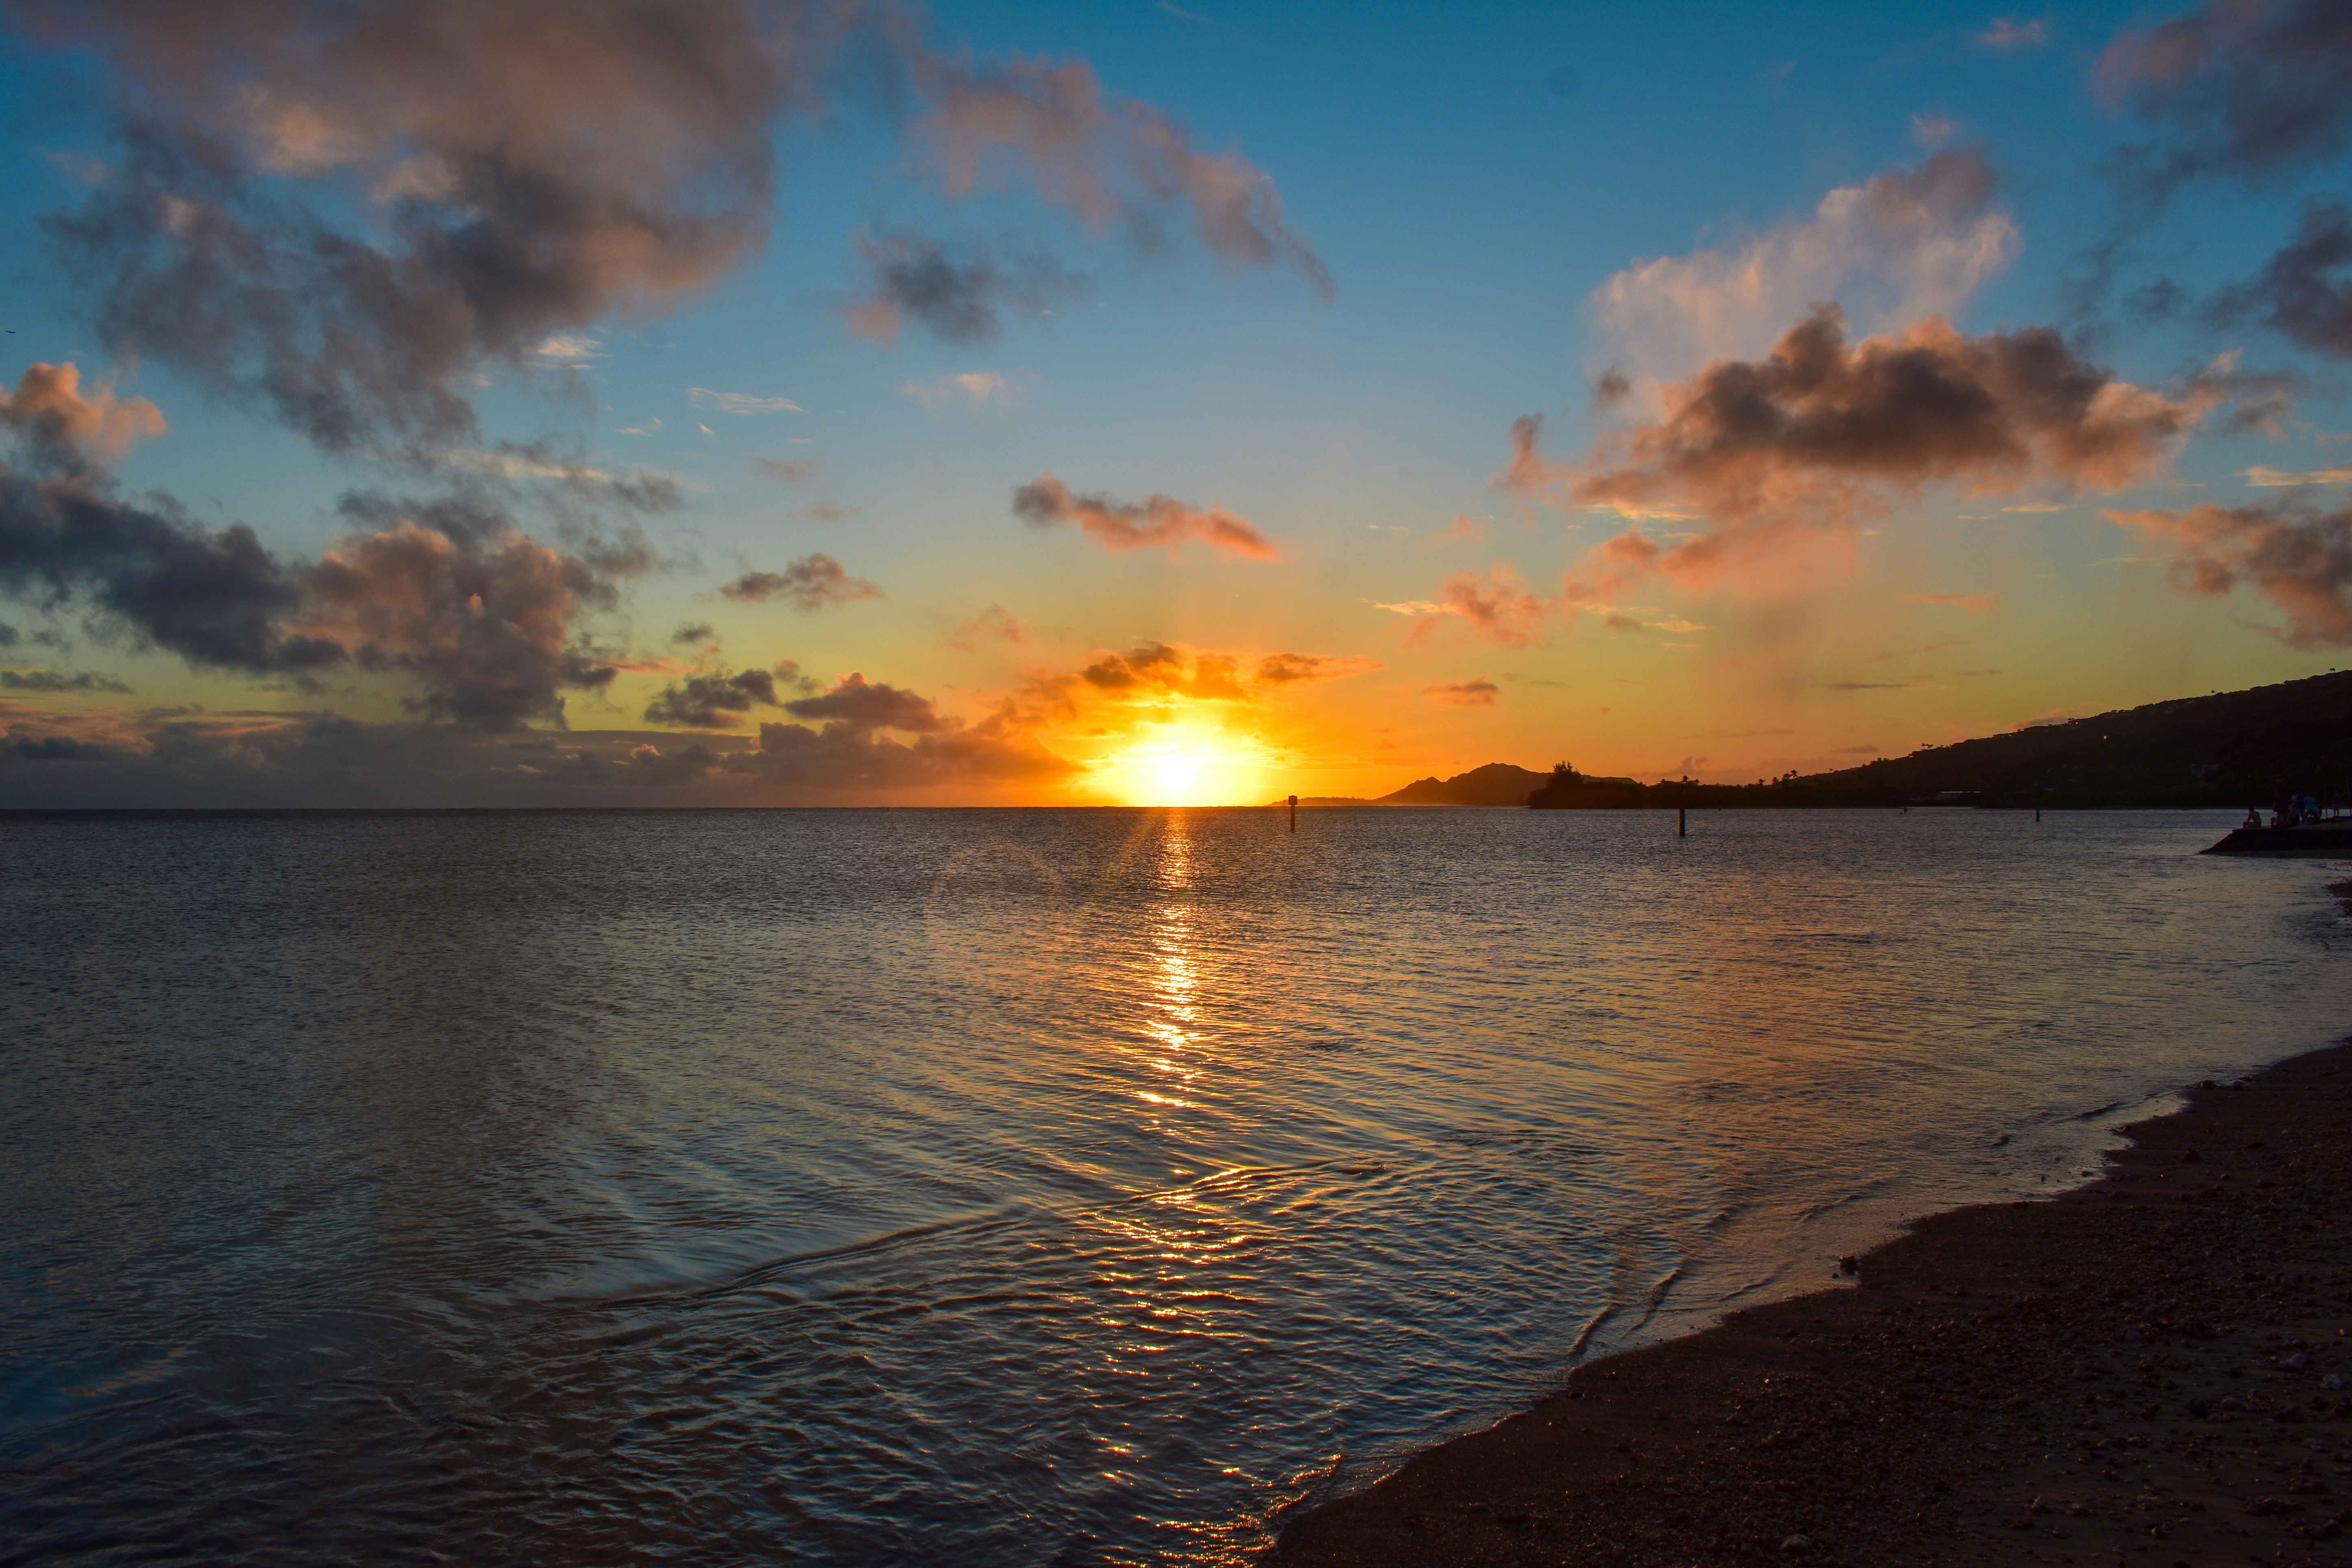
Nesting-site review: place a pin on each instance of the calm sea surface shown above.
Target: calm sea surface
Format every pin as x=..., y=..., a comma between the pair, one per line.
x=998, y=1187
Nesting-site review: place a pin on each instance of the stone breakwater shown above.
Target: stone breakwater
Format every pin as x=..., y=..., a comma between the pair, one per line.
x=2149, y=1369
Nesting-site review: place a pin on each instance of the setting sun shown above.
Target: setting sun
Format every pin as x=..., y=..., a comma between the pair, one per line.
x=1180, y=766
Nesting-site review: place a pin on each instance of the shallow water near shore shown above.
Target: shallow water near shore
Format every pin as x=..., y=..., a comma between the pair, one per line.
x=999, y=1186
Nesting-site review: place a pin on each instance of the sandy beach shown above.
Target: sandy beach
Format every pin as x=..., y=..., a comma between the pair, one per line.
x=2151, y=1368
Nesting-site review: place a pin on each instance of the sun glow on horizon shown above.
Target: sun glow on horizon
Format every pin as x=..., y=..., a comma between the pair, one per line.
x=1180, y=766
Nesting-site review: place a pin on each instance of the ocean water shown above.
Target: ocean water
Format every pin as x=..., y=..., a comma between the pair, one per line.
x=998, y=1187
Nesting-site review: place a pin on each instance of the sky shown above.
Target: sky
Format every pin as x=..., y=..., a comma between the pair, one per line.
x=739, y=403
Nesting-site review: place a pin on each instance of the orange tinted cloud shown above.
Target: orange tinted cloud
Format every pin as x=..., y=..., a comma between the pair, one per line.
x=1821, y=436
x=1114, y=162
x=1293, y=668
x=1974, y=604
x=50, y=412
x=811, y=583
x=994, y=623
x=1497, y=607
x=1158, y=521
x=2299, y=558
x=1464, y=694
x=488, y=630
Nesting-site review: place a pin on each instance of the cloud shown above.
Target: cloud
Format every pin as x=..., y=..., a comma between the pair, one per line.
x=570, y=346
x=1160, y=669
x=718, y=700
x=214, y=597
x=49, y=413
x=1464, y=694
x=2303, y=292
x=2009, y=34
x=485, y=623
x=640, y=489
x=977, y=386
x=104, y=757
x=694, y=632
x=1115, y=163
x=912, y=278
x=862, y=705
x=2251, y=88
x=1822, y=436
x=742, y=403
x=1296, y=669
x=56, y=680
x=2263, y=478
x=1869, y=684
x=1464, y=526
x=345, y=213
x=1901, y=246
x=994, y=623
x=1932, y=130
x=1497, y=607
x=826, y=511
x=1156, y=522
x=1974, y=604
x=789, y=470
x=809, y=584
x=2298, y=557
x=451, y=594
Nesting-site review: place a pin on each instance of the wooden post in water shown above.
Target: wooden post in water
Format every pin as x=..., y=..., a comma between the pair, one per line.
x=1294, y=814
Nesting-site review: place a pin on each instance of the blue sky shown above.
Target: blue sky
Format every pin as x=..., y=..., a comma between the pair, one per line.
x=1470, y=179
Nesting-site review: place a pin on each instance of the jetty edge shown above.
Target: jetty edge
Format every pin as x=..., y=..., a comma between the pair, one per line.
x=2151, y=1368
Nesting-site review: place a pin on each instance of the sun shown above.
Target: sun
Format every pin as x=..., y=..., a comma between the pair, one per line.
x=1178, y=765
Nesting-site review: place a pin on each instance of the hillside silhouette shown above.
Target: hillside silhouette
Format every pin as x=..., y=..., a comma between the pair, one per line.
x=2232, y=749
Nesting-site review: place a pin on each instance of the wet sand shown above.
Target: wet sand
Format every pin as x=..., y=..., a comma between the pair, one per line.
x=2155, y=1368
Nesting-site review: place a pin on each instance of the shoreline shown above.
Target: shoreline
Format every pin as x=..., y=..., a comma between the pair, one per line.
x=2135, y=1370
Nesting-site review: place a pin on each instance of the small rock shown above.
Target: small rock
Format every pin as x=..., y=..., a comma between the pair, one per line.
x=2190, y=1157
x=2297, y=1362
x=1796, y=1543
x=2331, y=1383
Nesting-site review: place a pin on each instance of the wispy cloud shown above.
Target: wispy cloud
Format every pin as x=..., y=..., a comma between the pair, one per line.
x=741, y=402
x=994, y=623
x=1974, y=604
x=789, y=470
x=1294, y=669
x=1156, y=522
x=570, y=346
x=1906, y=243
x=973, y=386
x=1932, y=130
x=1464, y=694
x=2263, y=478
x=811, y=583
x=55, y=680
x=2009, y=33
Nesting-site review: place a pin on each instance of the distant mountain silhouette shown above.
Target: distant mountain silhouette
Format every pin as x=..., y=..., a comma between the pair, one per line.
x=1496, y=783
x=2232, y=749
